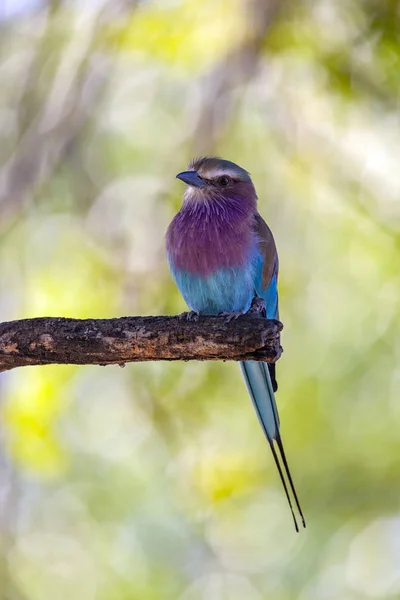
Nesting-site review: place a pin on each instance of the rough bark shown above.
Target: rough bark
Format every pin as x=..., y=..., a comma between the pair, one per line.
x=50, y=340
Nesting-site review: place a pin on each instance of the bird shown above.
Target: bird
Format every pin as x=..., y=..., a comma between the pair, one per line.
x=222, y=255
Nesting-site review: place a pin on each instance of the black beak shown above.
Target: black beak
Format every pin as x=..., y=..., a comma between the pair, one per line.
x=191, y=178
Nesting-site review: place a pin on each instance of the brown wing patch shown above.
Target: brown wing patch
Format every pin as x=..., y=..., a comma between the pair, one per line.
x=267, y=248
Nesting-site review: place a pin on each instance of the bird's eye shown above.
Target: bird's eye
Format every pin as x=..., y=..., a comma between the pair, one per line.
x=223, y=180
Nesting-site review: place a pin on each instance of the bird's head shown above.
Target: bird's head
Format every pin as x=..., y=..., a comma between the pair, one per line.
x=214, y=179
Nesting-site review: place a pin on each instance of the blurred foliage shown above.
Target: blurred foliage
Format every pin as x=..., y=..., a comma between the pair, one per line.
x=155, y=481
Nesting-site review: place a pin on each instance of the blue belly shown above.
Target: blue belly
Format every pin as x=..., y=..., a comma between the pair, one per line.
x=226, y=290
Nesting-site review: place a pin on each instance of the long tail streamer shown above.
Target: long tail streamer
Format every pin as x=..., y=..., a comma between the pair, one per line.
x=259, y=385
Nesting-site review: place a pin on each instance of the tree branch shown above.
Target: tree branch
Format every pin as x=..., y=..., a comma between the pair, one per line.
x=50, y=340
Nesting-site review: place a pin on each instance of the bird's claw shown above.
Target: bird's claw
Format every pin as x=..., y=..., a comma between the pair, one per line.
x=231, y=316
x=189, y=316
x=257, y=307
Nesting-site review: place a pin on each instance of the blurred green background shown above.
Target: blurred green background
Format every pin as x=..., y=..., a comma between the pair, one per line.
x=155, y=482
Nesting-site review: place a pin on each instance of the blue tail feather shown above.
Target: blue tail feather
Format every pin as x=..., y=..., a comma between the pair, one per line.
x=260, y=388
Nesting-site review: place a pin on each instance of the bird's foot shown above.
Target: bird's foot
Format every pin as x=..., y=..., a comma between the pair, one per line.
x=257, y=307
x=189, y=316
x=231, y=316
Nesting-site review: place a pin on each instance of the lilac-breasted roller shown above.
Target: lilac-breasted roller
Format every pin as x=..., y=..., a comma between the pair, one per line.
x=222, y=254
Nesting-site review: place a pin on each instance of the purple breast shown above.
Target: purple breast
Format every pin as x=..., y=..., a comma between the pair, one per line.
x=208, y=236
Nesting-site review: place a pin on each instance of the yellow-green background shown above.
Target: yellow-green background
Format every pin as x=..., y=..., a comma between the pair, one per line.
x=155, y=481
